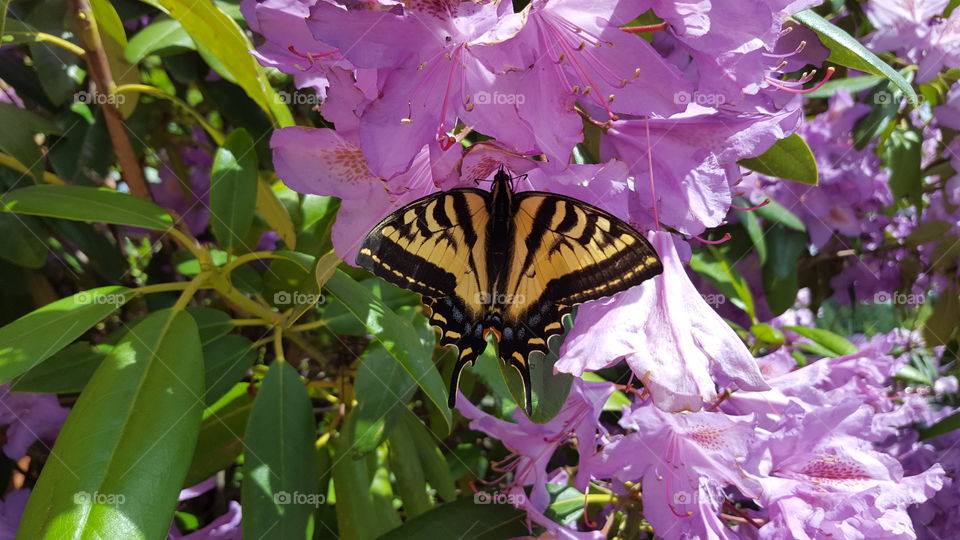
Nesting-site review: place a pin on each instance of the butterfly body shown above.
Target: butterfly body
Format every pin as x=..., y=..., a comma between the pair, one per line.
x=506, y=263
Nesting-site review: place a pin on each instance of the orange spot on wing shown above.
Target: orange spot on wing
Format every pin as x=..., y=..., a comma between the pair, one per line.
x=495, y=332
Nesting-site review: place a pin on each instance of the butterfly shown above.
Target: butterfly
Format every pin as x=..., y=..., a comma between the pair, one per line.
x=505, y=262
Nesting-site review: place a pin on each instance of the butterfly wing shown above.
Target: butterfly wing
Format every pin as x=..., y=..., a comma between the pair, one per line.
x=436, y=246
x=566, y=252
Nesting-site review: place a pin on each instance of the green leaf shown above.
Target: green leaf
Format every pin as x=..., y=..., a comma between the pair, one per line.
x=220, y=442
x=163, y=36
x=225, y=361
x=66, y=372
x=274, y=214
x=789, y=158
x=775, y=213
x=852, y=85
x=944, y=322
x=280, y=461
x=397, y=336
x=31, y=339
x=411, y=481
x=123, y=452
x=22, y=241
x=948, y=424
x=17, y=136
x=780, y=270
x=114, y=40
x=213, y=323
x=353, y=483
x=838, y=345
x=86, y=204
x=464, y=519
x=233, y=189
x=767, y=334
x=435, y=467
x=226, y=47
x=383, y=388
x=847, y=51
x=903, y=154
x=754, y=230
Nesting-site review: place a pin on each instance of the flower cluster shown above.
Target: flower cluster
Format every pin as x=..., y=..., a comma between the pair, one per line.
x=818, y=454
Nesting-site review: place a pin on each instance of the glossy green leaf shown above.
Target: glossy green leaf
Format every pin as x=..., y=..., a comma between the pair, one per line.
x=852, y=85
x=86, y=204
x=754, y=230
x=114, y=40
x=36, y=336
x=780, y=270
x=847, y=51
x=789, y=158
x=66, y=372
x=233, y=189
x=162, y=36
x=411, y=481
x=944, y=323
x=227, y=47
x=464, y=519
x=225, y=361
x=838, y=345
x=397, y=336
x=124, y=450
x=280, y=462
x=220, y=441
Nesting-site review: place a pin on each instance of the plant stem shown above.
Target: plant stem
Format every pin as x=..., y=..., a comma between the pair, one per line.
x=96, y=59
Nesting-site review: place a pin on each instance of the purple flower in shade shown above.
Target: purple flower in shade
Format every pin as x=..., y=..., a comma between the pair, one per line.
x=322, y=162
x=672, y=340
x=29, y=418
x=9, y=95
x=225, y=527
x=948, y=114
x=821, y=478
x=11, y=510
x=685, y=461
x=694, y=160
x=429, y=74
x=532, y=445
x=289, y=46
x=188, y=197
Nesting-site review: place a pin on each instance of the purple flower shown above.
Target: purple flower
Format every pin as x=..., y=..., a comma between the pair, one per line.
x=187, y=196
x=225, y=527
x=694, y=159
x=322, y=162
x=672, y=340
x=532, y=445
x=11, y=510
x=289, y=45
x=29, y=418
x=685, y=461
x=429, y=75
x=820, y=478
x=916, y=32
